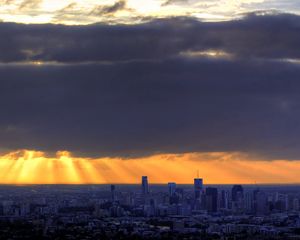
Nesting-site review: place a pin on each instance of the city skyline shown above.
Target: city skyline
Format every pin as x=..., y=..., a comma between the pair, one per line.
x=104, y=92
x=150, y=119
x=168, y=211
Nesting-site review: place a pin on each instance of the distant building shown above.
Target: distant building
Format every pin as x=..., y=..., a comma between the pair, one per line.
x=296, y=204
x=198, y=186
x=261, y=203
x=249, y=202
x=237, y=193
x=171, y=188
x=112, y=191
x=224, y=201
x=211, y=199
x=145, y=187
x=281, y=202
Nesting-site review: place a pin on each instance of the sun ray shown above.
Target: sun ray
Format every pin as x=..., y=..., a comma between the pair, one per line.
x=34, y=167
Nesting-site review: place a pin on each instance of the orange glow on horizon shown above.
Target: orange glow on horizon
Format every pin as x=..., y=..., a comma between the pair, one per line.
x=33, y=167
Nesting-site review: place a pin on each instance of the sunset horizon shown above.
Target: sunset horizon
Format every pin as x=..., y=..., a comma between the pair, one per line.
x=110, y=98
x=35, y=167
x=150, y=119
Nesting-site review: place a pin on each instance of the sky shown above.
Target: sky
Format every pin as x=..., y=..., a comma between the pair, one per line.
x=108, y=91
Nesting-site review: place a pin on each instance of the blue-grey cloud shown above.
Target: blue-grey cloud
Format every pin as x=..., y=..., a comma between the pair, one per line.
x=146, y=107
x=272, y=37
x=110, y=9
x=126, y=90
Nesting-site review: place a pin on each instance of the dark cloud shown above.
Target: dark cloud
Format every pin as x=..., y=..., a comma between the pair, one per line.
x=272, y=37
x=108, y=10
x=141, y=108
x=127, y=90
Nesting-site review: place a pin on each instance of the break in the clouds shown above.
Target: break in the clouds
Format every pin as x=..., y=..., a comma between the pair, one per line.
x=168, y=86
x=133, y=11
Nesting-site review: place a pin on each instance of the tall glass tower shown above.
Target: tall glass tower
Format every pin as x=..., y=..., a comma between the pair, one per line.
x=145, y=188
x=198, y=186
x=171, y=188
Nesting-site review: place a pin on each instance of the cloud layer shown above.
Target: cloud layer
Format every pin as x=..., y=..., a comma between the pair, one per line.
x=271, y=37
x=133, y=11
x=168, y=86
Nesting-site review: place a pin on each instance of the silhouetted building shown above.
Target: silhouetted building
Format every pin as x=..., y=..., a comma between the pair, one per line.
x=261, y=203
x=162, y=213
x=249, y=202
x=198, y=186
x=145, y=187
x=113, y=194
x=237, y=193
x=171, y=188
x=224, y=201
x=211, y=199
x=255, y=192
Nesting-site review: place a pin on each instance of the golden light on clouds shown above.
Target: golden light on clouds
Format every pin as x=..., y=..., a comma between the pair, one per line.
x=79, y=11
x=209, y=54
x=33, y=167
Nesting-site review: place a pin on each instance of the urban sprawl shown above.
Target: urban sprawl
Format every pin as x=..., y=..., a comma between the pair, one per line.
x=150, y=211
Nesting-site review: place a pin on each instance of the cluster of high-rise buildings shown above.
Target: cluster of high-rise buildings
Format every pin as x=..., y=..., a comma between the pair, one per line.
x=155, y=210
x=217, y=199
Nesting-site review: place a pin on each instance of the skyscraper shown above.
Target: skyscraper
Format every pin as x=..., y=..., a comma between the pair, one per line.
x=145, y=188
x=171, y=188
x=198, y=186
x=211, y=199
x=224, y=201
x=249, y=202
x=237, y=193
x=112, y=191
x=262, y=206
